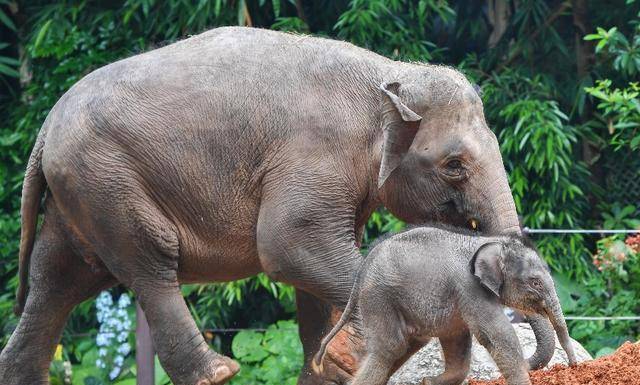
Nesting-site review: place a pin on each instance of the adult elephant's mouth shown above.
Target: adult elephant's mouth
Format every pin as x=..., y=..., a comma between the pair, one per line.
x=451, y=213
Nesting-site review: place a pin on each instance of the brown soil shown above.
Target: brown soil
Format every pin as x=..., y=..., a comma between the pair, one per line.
x=620, y=368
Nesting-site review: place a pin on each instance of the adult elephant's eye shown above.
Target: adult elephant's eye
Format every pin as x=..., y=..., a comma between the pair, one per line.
x=454, y=164
x=454, y=169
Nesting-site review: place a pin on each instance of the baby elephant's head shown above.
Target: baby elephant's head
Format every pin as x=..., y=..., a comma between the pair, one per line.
x=513, y=271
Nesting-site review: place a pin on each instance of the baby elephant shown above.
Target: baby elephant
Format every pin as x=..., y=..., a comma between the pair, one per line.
x=429, y=282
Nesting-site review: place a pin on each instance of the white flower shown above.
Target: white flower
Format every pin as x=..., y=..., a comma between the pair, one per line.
x=122, y=337
x=102, y=339
x=124, y=301
x=124, y=349
x=114, y=373
x=115, y=326
x=68, y=372
x=122, y=313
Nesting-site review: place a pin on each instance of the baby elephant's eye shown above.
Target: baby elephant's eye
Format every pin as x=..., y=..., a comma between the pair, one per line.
x=536, y=282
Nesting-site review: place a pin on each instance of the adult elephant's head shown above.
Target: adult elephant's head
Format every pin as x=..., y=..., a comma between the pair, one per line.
x=439, y=160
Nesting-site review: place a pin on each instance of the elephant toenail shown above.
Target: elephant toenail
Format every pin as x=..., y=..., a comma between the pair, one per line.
x=223, y=372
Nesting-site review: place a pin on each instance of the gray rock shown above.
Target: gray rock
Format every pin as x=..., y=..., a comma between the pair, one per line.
x=428, y=361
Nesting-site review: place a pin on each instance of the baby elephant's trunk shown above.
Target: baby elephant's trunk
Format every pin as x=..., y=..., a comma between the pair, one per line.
x=556, y=317
x=545, y=341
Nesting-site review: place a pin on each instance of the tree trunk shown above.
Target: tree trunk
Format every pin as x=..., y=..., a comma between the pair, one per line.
x=584, y=63
x=498, y=13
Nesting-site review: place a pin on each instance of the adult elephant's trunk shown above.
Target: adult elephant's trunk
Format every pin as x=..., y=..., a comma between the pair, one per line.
x=503, y=218
x=545, y=341
x=557, y=320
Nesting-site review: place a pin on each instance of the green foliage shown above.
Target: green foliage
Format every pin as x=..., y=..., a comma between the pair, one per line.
x=270, y=358
x=625, y=52
x=381, y=222
x=395, y=28
x=621, y=109
x=612, y=292
x=618, y=217
x=619, y=106
x=9, y=65
x=252, y=300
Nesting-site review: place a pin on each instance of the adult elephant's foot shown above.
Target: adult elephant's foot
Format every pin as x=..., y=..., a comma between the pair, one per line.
x=218, y=370
x=343, y=355
x=344, y=350
x=13, y=374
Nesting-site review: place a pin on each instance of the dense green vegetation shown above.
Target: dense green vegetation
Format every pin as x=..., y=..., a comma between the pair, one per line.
x=559, y=81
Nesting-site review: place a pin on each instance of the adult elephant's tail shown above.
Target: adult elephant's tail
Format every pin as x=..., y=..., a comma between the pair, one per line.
x=32, y=189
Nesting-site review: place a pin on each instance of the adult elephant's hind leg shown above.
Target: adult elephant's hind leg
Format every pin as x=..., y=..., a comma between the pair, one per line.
x=182, y=350
x=145, y=257
x=60, y=279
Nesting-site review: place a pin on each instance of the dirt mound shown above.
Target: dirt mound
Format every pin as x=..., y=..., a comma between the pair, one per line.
x=620, y=368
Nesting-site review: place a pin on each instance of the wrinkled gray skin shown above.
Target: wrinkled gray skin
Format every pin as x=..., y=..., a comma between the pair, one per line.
x=233, y=152
x=431, y=282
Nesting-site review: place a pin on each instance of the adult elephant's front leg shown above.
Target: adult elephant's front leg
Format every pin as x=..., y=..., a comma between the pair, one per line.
x=315, y=319
x=314, y=249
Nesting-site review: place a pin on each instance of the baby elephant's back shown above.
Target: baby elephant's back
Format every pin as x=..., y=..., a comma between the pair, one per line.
x=422, y=268
x=426, y=250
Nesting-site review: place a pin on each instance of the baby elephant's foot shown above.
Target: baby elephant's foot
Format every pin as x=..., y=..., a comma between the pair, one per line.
x=429, y=381
x=443, y=380
x=217, y=370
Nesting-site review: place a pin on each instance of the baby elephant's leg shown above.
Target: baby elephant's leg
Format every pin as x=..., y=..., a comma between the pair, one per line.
x=374, y=370
x=457, y=358
x=496, y=334
x=385, y=339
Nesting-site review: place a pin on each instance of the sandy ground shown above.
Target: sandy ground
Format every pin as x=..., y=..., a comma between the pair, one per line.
x=620, y=368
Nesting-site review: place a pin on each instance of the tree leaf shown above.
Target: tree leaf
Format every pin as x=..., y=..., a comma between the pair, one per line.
x=7, y=21
x=5, y=69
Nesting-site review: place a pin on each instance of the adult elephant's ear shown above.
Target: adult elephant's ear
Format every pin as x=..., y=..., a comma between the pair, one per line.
x=400, y=125
x=488, y=265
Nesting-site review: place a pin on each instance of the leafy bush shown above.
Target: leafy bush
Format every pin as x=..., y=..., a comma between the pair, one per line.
x=270, y=358
x=614, y=291
x=619, y=106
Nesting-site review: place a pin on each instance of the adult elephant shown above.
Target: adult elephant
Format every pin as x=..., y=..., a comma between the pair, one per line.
x=233, y=152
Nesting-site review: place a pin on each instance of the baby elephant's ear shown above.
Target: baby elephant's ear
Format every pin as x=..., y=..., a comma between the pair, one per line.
x=488, y=266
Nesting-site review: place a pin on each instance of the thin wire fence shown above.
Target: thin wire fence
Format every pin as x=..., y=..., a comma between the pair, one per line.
x=612, y=318
x=525, y=230
x=208, y=330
